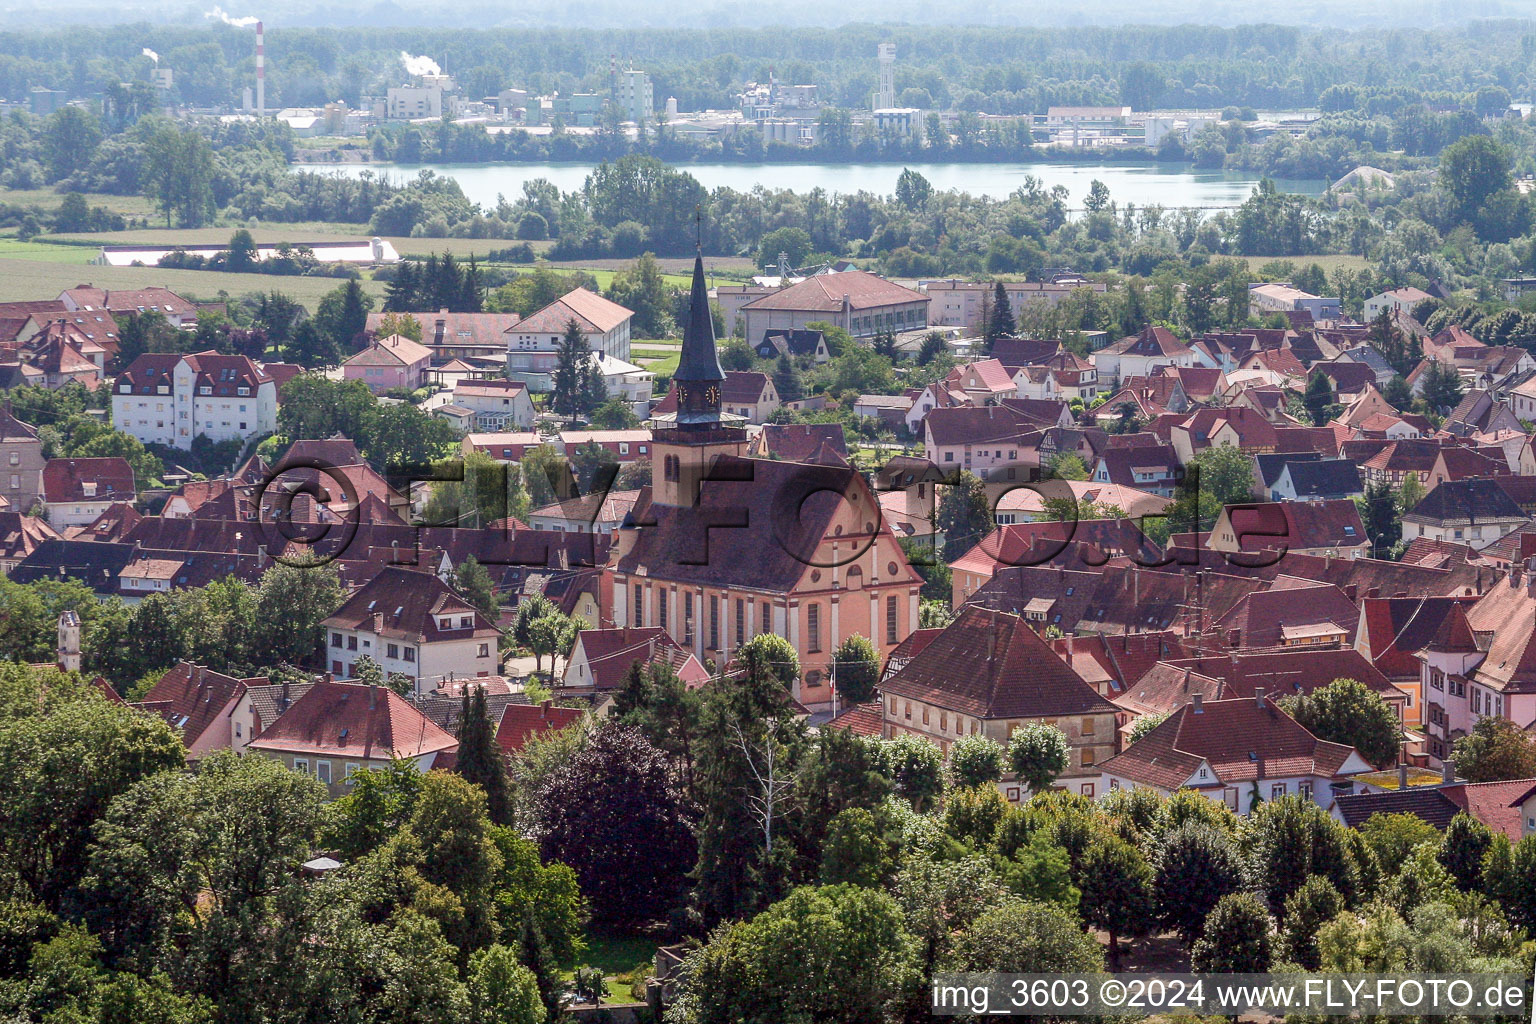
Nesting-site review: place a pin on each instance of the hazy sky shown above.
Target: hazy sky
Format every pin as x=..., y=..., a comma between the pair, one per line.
x=706, y=13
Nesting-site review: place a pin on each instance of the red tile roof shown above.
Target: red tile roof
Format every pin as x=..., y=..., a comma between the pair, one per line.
x=191, y=697
x=824, y=293
x=522, y=722
x=71, y=479
x=1240, y=740
x=593, y=313
x=861, y=719
x=993, y=665
x=350, y=720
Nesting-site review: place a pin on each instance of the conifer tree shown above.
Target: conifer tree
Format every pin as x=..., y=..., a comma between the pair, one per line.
x=479, y=756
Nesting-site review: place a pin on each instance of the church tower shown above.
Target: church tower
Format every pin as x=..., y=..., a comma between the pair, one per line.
x=701, y=431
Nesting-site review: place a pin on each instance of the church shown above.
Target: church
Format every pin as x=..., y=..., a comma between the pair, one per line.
x=722, y=547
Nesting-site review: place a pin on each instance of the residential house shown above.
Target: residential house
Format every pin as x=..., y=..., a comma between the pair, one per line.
x=1292, y=612
x=198, y=702
x=1475, y=512
x=1394, y=301
x=1238, y=752
x=20, y=535
x=84, y=298
x=1140, y=354
x=533, y=344
x=600, y=659
x=411, y=623
x=337, y=729
x=21, y=462
x=1497, y=805
x=861, y=303
x=168, y=398
x=989, y=673
x=993, y=442
x=1330, y=528
x=259, y=704
x=76, y=491
x=480, y=339
x=497, y=405
x=1317, y=480
x=798, y=442
x=1392, y=633
x=520, y=723
x=599, y=512
x=797, y=344
x=1282, y=297
x=389, y=364
x=1151, y=467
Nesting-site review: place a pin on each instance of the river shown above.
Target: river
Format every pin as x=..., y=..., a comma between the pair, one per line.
x=1142, y=184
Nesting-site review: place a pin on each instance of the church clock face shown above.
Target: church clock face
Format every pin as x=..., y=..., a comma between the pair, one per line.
x=712, y=394
x=682, y=394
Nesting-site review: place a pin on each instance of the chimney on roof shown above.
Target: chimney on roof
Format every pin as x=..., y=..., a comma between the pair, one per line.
x=373, y=695
x=327, y=678
x=1197, y=703
x=1258, y=696
x=1351, y=590
x=1376, y=591
x=1402, y=776
x=282, y=702
x=1447, y=772
x=1515, y=569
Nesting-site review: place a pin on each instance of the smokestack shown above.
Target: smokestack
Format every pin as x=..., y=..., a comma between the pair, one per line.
x=261, y=72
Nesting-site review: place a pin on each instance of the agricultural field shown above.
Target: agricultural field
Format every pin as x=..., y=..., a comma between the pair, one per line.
x=1329, y=263
x=32, y=278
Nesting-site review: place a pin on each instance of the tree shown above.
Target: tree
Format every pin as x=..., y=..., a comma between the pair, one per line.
x=291, y=601
x=856, y=851
x=178, y=174
x=1313, y=905
x=1115, y=883
x=1028, y=938
x=392, y=323
x=1194, y=866
x=1346, y=712
x=913, y=190
x=1145, y=724
x=855, y=669
x=975, y=760
x=614, y=813
x=758, y=971
x=1318, y=397
x=65, y=754
x=1462, y=848
x=916, y=768
x=242, y=255
x=1000, y=322
x=1440, y=386
x=1236, y=938
x=964, y=515
x=1292, y=838
x=502, y=990
x=479, y=756
x=569, y=380
x=1038, y=753
x=1494, y=751
x=1392, y=838
x=786, y=380
x=70, y=137
x=352, y=319
x=474, y=584
x=1473, y=169
x=614, y=414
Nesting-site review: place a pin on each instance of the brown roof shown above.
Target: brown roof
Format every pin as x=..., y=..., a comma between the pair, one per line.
x=20, y=534
x=1262, y=617
x=1152, y=341
x=68, y=480
x=1288, y=525
x=861, y=719
x=611, y=652
x=1504, y=621
x=740, y=387
x=395, y=350
x=408, y=605
x=352, y=720
x=522, y=722
x=190, y=697
x=129, y=300
x=825, y=293
x=1240, y=740
x=12, y=429
x=464, y=330
x=993, y=665
x=593, y=313
x=798, y=442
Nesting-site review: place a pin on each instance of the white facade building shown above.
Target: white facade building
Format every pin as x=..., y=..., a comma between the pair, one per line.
x=169, y=399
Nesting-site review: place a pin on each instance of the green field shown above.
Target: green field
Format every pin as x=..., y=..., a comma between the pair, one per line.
x=666, y=366
x=48, y=199
x=23, y=279
x=15, y=248
x=1329, y=263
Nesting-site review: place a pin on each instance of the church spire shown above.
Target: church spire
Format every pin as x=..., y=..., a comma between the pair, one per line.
x=698, y=375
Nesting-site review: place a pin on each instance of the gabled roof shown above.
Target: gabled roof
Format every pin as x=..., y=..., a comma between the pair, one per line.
x=522, y=722
x=407, y=604
x=1263, y=617
x=992, y=665
x=191, y=697
x=20, y=534
x=825, y=293
x=350, y=720
x=1241, y=740
x=975, y=425
x=13, y=430
x=99, y=479
x=1477, y=500
x=611, y=652
x=1152, y=341
x=798, y=442
x=1324, y=478
x=395, y=350
x=860, y=719
x=1504, y=621
x=1396, y=628
x=592, y=313
x=1292, y=525
x=1492, y=803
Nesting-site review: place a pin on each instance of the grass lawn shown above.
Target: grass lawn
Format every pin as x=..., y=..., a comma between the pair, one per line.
x=1328, y=263
x=629, y=958
x=48, y=199
x=666, y=366
x=31, y=278
x=14, y=248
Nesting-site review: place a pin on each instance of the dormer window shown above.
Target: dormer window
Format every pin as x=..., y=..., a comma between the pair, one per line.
x=242, y=391
x=205, y=390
